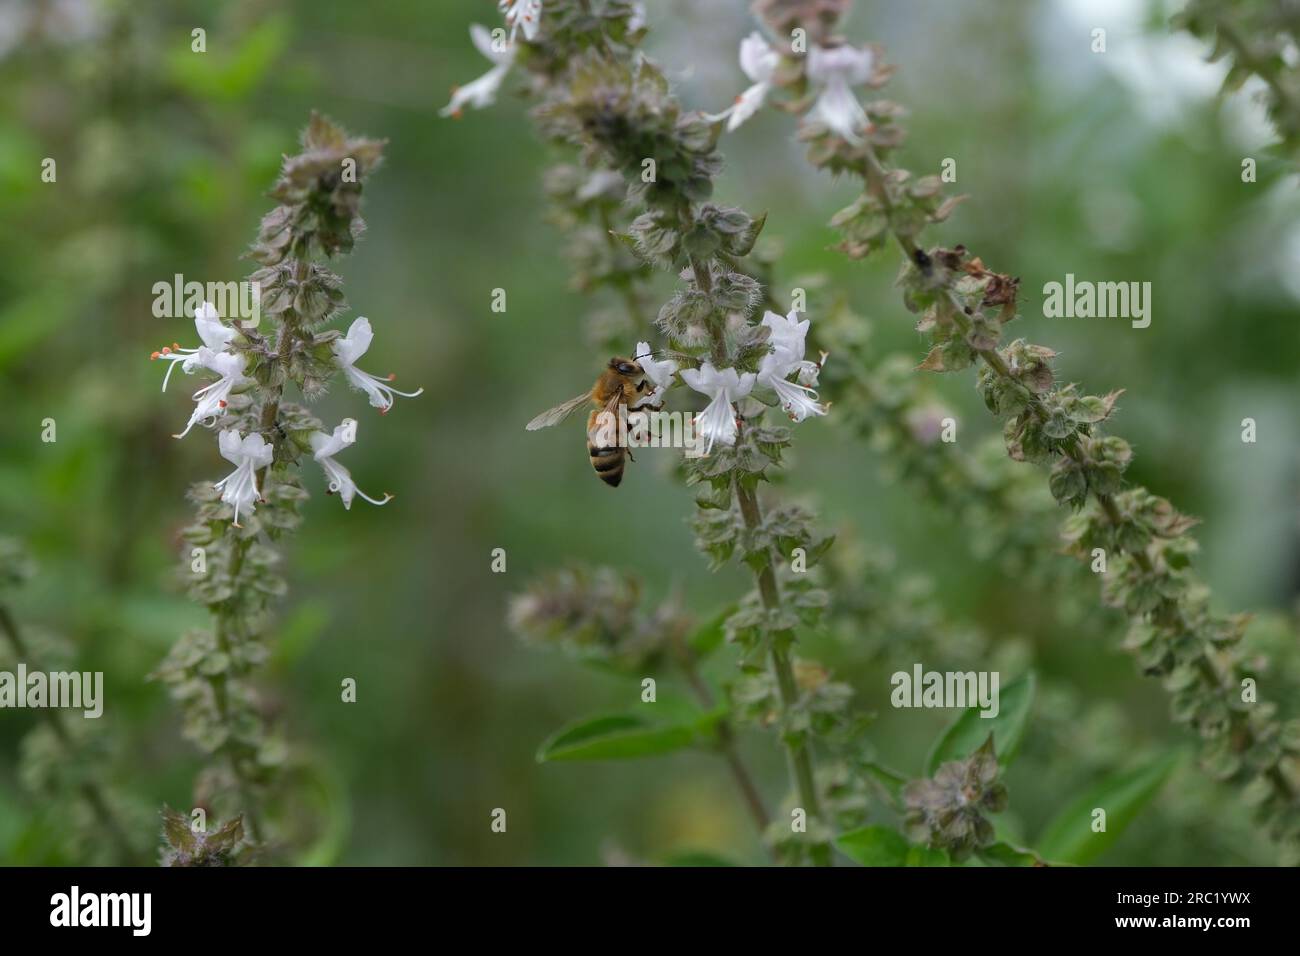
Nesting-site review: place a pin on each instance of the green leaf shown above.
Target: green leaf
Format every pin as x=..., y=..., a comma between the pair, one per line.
x=1004, y=854
x=744, y=245
x=227, y=837
x=881, y=846
x=924, y=856
x=874, y=846
x=1069, y=838
x=1093, y=408
x=970, y=730
x=1067, y=483
x=176, y=828
x=625, y=736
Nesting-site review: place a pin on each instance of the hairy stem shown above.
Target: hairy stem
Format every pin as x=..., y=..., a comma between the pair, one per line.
x=874, y=174
x=726, y=734
x=798, y=753
x=220, y=693
x=220, y=689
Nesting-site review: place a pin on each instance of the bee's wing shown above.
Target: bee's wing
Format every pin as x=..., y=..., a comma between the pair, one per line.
x=600, y=433
x=611, y=406
x=553, y=416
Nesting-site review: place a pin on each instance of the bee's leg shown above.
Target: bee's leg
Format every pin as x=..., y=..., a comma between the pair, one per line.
x=629, y=404
x=642, y=387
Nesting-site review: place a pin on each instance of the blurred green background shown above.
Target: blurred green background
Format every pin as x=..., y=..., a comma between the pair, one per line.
x=1118, y=166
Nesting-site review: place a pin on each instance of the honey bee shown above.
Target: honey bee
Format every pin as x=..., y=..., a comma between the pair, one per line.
x=623, y=382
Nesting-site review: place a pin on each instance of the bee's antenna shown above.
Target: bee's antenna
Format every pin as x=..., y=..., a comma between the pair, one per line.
x=672, y=352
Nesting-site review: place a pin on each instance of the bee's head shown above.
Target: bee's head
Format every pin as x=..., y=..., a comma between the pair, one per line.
x=624, y=366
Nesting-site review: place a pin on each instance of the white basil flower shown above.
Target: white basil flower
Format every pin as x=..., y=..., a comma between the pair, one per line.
x=787, y=338
x=482, y=92
x=350, y=348
x=798, y=401
x=247, y=454
x=787, y=332
x=836, y=70
x=809, y=371
x=522, y=14
x=210, y=402
x=660, y=372
x=718, y=420
x=215, y=337
x=324, y=447
x=758, y=61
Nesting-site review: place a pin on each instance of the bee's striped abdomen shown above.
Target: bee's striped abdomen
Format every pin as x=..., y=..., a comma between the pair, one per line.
x=608, y=463
x=608, y=460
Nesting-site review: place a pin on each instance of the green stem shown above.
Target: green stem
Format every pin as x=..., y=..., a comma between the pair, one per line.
x=220, y=682
x=726, y=742
x=798, y=753
x=1204, y=665
x=726, y=734
x=874, y=175
x=220, y=693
